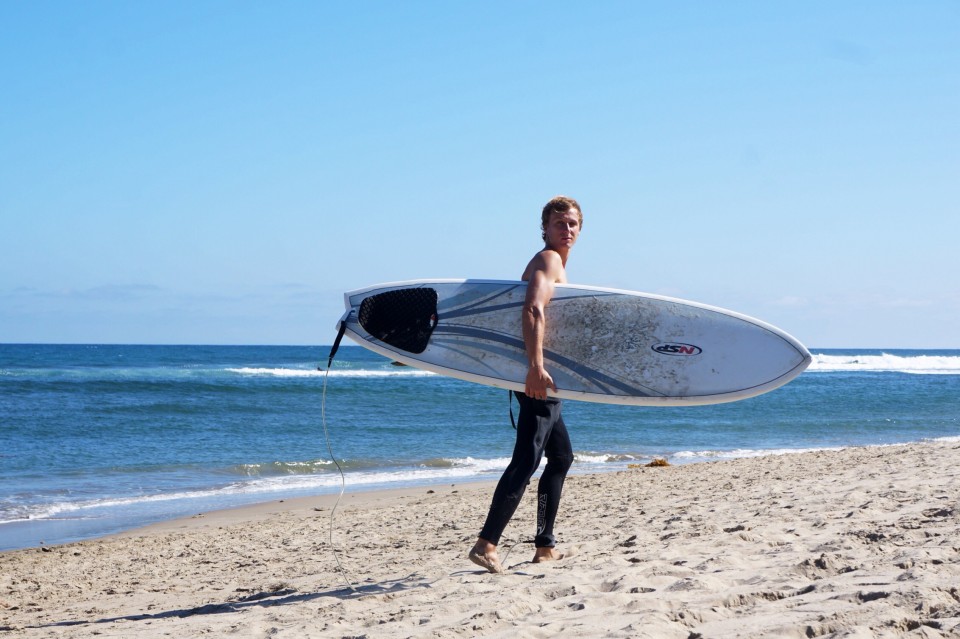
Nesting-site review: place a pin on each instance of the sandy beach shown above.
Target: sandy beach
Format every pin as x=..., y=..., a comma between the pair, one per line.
x=862, y=542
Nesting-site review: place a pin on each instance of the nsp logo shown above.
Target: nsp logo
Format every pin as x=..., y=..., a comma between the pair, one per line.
x=671, y=348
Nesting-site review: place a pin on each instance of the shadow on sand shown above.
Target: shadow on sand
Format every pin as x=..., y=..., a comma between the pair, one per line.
x=280, y=597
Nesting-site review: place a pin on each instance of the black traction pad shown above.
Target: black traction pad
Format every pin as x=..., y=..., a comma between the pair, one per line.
x=403, y=318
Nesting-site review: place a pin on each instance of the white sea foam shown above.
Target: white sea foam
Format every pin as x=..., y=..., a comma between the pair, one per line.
x=822, y=362
x=300, y=372
x=466, y=468
x=887, y=362
x=607, y=458
x=460, y=468
x=688, y=456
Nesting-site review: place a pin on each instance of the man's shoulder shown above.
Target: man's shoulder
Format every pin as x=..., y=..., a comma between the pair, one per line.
x=548, y=258
x=547, y=261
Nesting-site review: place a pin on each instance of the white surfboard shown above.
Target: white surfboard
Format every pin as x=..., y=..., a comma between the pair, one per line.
x=601, y=345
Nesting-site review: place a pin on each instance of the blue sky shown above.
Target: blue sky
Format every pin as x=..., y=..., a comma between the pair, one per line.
x=221, y=172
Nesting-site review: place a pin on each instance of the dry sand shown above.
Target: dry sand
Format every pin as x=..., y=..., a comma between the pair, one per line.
x=855, y=543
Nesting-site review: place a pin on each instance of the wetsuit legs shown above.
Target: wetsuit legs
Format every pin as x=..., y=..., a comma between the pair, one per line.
x=559, y=458
x=540, y=429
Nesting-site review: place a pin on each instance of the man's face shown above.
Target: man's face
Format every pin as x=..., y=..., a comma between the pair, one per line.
x=563, y=229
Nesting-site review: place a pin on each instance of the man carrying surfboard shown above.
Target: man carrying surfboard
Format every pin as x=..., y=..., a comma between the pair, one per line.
x=540, y=427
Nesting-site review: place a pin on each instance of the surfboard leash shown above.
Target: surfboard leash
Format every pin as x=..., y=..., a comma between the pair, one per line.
x=326, y=434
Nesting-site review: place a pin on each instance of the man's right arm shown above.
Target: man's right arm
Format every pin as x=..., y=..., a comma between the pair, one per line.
x=547, y=267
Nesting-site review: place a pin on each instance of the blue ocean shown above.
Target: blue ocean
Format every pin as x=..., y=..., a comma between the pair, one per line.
x=99, y=439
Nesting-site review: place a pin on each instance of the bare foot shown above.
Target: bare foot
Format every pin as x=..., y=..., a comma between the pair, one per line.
x=484, y=554
x=549, y=554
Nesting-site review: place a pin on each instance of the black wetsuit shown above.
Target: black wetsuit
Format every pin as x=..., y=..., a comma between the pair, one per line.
x=540, y=430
